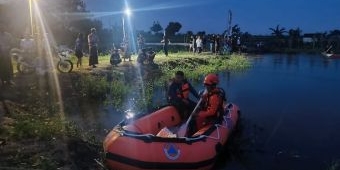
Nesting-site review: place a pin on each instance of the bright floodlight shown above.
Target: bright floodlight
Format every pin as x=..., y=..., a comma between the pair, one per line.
x=127, y=11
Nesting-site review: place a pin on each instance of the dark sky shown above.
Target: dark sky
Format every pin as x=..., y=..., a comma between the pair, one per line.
x=253, y=16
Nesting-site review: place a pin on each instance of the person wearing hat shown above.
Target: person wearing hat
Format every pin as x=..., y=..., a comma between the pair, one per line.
x=212, y=102
x=93, y=40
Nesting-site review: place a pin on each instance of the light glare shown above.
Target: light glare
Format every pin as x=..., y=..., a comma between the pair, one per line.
x=127, y=11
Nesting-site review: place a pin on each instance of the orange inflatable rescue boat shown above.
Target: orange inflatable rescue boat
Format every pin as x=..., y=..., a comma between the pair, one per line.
x=145, y=142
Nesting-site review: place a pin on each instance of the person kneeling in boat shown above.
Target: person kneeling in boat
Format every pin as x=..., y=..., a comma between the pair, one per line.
x=211, y=105
x=178, y=95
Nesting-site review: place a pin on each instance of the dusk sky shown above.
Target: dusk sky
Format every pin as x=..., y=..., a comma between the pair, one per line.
x=253, y=16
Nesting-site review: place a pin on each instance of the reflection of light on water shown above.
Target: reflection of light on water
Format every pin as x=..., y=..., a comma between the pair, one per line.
x=139, y=76
x=54, y=79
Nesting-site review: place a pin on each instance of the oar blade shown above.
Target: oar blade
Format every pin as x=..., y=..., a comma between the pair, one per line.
x=182, y=130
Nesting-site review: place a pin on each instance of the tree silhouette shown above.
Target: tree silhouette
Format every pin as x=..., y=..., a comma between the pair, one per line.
x=172, y=28
x=236, y=31
x=201, y=33
x=190, y=33
x=156, y=27
x=278, y=32
x=294, y=37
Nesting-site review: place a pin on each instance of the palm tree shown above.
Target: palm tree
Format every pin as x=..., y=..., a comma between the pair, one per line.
x=278, y=34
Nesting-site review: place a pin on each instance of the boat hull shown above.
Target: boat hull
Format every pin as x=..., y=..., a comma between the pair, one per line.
x=135, y=145
x=329, y=55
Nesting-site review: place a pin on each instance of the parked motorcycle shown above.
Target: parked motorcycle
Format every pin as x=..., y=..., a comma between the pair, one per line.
x=64, y=64
x=27, y=64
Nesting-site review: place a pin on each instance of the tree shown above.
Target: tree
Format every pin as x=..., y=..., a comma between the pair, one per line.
x=156, y=27
x=294, y=37
x=278, y=32
x=190, y=33
x=236, y=31
x=172, y=28
x=201, y=33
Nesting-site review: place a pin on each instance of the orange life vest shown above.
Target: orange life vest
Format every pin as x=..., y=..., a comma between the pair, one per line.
x=217, y=91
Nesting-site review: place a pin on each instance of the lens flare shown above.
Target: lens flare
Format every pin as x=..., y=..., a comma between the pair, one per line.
x=53, y=80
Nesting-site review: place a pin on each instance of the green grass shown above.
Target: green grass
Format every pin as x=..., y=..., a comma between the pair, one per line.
x=195, y=66
x=99, y=89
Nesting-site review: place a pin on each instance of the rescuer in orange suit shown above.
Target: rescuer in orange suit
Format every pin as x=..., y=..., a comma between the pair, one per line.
x=212, y=102
x=178, y=94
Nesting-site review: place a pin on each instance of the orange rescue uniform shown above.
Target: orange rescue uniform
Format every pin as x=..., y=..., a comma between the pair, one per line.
x=213, y=102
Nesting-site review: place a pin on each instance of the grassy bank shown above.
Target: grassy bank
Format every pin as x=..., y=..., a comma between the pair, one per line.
x=195, y=66
x=104, y=85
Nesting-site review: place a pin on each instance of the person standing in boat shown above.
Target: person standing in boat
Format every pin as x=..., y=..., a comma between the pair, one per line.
x=178, y=94
x=212, y=103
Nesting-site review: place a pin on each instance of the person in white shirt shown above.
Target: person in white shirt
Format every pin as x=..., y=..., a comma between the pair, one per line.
x=199, y=44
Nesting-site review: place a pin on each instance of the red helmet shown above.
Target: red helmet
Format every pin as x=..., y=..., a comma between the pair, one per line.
x=211, y=79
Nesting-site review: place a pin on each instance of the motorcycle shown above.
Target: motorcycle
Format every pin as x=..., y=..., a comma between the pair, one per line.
x=64, y=64
x=146, y=56
x=28, y=63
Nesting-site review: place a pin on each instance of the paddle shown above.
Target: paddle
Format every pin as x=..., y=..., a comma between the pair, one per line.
x=330, y=47
x=183, y=129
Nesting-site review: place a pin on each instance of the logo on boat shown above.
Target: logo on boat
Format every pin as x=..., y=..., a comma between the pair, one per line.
x=171, y=151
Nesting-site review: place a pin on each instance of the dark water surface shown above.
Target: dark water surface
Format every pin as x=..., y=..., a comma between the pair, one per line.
x=291, y=107
x=290, y=113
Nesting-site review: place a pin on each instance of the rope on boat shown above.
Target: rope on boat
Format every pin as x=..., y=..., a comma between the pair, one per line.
x=228, y=116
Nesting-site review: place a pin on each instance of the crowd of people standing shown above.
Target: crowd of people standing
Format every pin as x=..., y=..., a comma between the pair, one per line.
x=209, y=43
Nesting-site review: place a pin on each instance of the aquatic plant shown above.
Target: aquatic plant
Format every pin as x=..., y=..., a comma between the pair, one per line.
x=195, y=68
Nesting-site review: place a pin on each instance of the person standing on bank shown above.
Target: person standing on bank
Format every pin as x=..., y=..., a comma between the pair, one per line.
x=178, y=95
x=140, y=42
x=93, y=40
x=79, y=49
x=166, y=42
x=199, y=44
x=6, y=67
